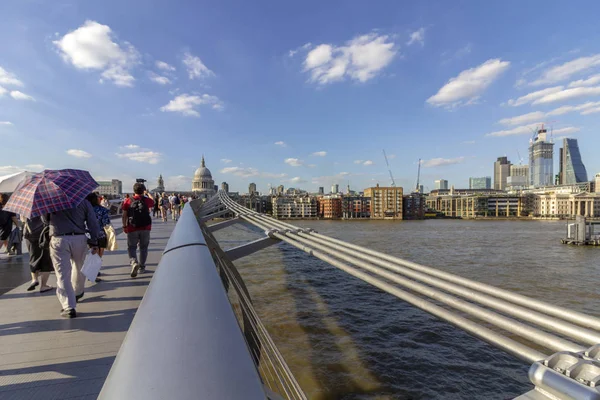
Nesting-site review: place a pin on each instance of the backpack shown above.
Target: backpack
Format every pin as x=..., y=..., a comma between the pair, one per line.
x=176, y=201
x=138, y=213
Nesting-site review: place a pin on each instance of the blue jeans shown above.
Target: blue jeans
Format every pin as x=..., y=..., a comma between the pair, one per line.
x=133, y=239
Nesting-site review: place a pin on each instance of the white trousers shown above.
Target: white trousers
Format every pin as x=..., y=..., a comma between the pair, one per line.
x=68, y=254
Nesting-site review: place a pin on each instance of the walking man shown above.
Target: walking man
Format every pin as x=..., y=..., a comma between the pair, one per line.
x=175, y=204
x=137, y=223
x=68, y=248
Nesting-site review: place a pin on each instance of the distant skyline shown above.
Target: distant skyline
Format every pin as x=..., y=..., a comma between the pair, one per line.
x=303, y=95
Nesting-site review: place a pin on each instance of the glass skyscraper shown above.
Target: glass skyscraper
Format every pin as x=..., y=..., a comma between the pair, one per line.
x=541, y=164
x=572, y=169
x=485, y=182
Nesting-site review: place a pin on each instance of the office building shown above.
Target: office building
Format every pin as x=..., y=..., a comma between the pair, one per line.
x=302, y=207
x=330, y=207
x=321, y=190
x=225, y=187
x=356, y=207
x=571, y=168
x=252, y=189
x=413, y=206
x=541, y=156
x=386, y=202
x=484, y=182
x=597, y=183
x=280, y=190
x=110, y=188
x=501, y=173
x=335, y=188
x=519, y=177
x=441, y=184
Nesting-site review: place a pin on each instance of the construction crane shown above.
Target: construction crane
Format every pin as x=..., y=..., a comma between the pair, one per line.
x=389, y=169
x=417, y=189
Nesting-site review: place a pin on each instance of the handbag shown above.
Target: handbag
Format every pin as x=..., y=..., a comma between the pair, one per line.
x=111, y=238
x=91, y=266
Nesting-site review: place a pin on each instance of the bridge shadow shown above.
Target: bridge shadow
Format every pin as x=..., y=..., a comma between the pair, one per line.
x=63, y=380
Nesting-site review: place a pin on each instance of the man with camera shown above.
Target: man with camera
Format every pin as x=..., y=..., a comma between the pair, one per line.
x=137, y=224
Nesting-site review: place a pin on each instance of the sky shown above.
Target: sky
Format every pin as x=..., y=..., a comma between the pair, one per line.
x=303, y=94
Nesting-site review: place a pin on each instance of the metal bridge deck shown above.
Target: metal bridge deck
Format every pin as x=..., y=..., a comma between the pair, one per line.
x=43, y=356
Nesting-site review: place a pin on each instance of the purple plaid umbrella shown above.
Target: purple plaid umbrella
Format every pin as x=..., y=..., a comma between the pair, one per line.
x=51, y=191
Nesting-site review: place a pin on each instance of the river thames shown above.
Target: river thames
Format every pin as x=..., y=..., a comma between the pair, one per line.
x=345, y=339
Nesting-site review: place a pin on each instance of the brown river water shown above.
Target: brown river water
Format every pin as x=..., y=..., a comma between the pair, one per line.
x=344, y=339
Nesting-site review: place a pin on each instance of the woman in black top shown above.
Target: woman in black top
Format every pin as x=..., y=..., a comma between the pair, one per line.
x=40, y=262
x=7, y=219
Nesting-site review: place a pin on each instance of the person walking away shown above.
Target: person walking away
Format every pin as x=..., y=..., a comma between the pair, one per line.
x=68, y=249
x=156, y=208
x=175, y=204
x=40, y=263
x=137, y=223
x=103, y=221
x=7, y=219
x=164, y=206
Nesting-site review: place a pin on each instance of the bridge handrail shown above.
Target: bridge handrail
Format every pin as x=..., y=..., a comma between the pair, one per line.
x=184, y=342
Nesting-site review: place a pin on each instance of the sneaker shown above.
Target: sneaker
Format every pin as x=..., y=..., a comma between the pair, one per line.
x=142, y=269
x=134, y=269
x=79, y=296
x=68, y=313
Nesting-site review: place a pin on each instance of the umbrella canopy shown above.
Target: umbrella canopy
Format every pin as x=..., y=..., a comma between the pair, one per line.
x=51, y=191
x=8, y=183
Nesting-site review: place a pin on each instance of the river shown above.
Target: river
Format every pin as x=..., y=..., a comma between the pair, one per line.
x=345, y=339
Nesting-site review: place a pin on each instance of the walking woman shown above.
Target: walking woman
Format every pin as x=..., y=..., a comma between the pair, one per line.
x=156, y=208
x=103, y=221
x=40, y=263
x=7, y=219
x=164, y=206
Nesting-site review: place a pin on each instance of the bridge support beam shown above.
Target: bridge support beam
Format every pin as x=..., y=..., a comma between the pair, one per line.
x=249, y=248
x=215, y=215
x=224, y=224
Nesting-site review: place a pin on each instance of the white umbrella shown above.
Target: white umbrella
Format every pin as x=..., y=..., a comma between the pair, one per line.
x=8, y=183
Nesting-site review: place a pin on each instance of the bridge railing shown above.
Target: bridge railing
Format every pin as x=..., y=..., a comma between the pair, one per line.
x=184, y=341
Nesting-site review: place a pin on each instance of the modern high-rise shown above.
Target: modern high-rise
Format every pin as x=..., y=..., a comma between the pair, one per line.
x=541, y=156
x=225, y=187
x=519, y=177
x=571, y=168
x=252, y=189
x=321, y=190
x=335, y=188
x=441, y=184
x=484, y=182
x=501, y=173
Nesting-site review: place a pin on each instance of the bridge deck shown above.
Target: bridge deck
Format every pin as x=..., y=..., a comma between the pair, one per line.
x=43, y=356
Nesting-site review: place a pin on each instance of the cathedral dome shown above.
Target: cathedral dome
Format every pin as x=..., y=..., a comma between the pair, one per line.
x=202, y=172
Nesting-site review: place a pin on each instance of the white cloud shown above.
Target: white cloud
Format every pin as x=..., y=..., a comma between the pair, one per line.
x=297, y=179
x=319, y=154
x=565, y=131
x=178, y=183
x=34, y=167
x=6, y=78
x=225, y=160
x=164, y=66
x=468, y=86
x=185, y=104
x=584, y=108
x=523, y=119
x=272, y=175
x=294, y=162
x=78, y=153
x=417, y=36
x=5, y=123
x=15, y=94
x=519, y=130
x=91, y=47
x=239, y=171
x=304, y=47
x=567, y=70
x=368, y=162
x=150, y=157
x=439, y=162
x=358, y=161
x=469, y=142
x=132, y=146
x=195, y=67
x=568, y=94
x=2, y=91
x=11, y=169
x=591, y=81
x=591, y=111
x=161, y=80
x=280, y=143
x=533, y=96
x=360, y=59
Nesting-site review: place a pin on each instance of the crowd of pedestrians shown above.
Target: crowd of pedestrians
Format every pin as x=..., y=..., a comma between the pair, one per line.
x=60, y=241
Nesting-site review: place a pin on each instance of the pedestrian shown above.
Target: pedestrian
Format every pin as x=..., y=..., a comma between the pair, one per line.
x=103, y=221
x=156, y=208
x=175, y=203
x=40, y=263
x=164, y=206
x=137, y=223
x=68, y=249
x=7, y=219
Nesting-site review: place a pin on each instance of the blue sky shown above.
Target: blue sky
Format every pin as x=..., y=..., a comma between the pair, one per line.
x=304, y=94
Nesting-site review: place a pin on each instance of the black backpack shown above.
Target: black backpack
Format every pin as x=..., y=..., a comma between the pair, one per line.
x=138, y=213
